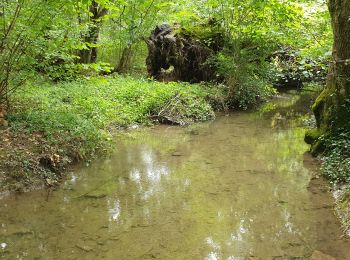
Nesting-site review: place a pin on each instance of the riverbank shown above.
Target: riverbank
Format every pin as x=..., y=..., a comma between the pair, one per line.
x=53, y=126
x=336, y=168
x=334, y=163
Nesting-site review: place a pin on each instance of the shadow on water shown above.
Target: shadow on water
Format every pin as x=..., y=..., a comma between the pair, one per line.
x=241, y=187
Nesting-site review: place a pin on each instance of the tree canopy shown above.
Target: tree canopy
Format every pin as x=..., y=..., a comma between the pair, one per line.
x=56, y=37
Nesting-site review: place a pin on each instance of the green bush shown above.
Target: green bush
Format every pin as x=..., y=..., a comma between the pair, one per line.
x=246, y=80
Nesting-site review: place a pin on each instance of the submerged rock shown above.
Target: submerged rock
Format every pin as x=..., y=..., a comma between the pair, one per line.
x=3, y=246
x=318, y=255
x=16, y=231
x=84, y=247
x=95, y=195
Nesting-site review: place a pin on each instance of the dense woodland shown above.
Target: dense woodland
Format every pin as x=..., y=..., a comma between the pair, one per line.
x=75, y=72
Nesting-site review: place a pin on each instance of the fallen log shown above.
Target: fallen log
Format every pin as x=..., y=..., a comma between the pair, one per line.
x=186, y=50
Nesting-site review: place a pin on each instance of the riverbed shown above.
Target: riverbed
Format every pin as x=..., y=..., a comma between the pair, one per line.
x=240, y=187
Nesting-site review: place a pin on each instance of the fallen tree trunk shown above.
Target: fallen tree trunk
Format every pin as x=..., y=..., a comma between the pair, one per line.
x=188, y=52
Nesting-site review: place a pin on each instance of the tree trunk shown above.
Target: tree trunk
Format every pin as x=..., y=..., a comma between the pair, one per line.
x=94, y=34
x=332, y=107
x=124, y=61
x=90, y=55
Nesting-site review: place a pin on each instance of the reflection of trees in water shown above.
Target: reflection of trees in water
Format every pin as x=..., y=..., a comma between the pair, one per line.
x=238, y=191
x=266, y=174
x=144, y=188
x=230, y=214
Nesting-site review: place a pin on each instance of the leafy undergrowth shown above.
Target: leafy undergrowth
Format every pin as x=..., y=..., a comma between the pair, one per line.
x=343, y=207
x=336, y=168
x=58, y=124
x=336, y=161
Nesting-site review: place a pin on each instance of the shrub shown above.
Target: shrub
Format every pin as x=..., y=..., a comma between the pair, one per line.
x=246, y=80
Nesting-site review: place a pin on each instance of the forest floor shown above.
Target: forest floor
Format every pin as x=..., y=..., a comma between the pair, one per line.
x=53, y=126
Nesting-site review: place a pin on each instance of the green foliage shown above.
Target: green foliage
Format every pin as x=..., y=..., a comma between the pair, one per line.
x=254, y=30
x=31, y=41
x=312, y=135
x=317, y=35
x=126, y=26
x=71, y=71
x=53, y=43
x=247, y=81
x=336, y=159
x=17, y=39
x=84, y=111
x=290, y=68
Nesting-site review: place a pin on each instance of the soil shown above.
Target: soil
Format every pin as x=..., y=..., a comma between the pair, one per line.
x=28, y=161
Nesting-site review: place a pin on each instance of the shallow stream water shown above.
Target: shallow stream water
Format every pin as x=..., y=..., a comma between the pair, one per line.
x=240, y=187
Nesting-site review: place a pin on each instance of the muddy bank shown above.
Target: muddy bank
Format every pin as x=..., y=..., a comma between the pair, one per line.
x=28, y=162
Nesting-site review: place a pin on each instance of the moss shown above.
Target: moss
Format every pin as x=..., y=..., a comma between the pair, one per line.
x=331, y=113
x=323, y=106
x=318, y=147
x=318, y=107
x=332, y=108
x=211, y=35
x=313, y=135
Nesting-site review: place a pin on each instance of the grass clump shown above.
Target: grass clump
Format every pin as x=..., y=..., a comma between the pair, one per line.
x=85, y=111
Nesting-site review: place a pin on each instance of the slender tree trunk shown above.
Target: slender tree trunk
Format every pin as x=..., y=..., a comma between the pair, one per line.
x=124, y=61
x=95, y=34
x=90, y=55
x=332, y=107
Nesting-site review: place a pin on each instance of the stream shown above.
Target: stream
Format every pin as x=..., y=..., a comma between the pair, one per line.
x=240, y=187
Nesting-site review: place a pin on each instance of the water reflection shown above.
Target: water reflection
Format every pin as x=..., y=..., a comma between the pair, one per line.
x=237, y=189
x=148, y=172
x=113, y=209
x=215, y=254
